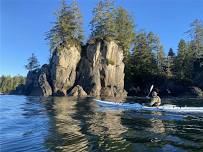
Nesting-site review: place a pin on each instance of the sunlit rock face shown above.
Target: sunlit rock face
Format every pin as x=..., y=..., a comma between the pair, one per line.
x=63, y=69
x=77, y=91
x=101, y=71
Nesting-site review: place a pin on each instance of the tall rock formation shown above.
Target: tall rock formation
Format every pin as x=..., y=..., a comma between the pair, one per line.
x=63, y=69
x=101, y=70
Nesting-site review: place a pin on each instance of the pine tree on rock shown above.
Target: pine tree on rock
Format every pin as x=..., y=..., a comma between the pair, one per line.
x=112, y=23
x=67, y=29
x=77, y=22
x=32, y=63
x=103, y=23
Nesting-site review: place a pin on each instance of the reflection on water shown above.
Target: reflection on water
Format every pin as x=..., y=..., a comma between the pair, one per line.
x=156, y=125
x=70, y=124
x=65, y=131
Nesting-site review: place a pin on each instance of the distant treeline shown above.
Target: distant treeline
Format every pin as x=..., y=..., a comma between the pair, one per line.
x=8, y=83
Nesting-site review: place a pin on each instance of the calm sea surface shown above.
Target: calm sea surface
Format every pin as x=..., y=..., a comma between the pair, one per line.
x=69, y=124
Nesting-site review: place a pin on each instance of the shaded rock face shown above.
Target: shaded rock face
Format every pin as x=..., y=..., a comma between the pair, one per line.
x=38, y=82
x=19, y=90
x=101, y=70
x=77, y=91
x=63, y=69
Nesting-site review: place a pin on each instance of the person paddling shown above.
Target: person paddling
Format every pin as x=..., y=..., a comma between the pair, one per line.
x=155, y=100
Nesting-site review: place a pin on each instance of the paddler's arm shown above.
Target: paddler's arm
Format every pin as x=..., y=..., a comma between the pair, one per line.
x=152, y=101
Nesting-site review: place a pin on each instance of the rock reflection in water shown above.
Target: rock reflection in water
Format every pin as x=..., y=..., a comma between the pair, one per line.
x=65, y=132
x=77, y=126
x=110, y=130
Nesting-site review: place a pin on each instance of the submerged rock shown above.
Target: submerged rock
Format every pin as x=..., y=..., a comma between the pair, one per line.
x=101, y=70
x=63, y=69
x=77, y=91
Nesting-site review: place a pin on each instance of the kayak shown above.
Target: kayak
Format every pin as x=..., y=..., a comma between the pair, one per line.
x=137, y=106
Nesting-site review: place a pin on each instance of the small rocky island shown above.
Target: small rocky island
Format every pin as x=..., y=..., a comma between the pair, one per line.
x=96, y=69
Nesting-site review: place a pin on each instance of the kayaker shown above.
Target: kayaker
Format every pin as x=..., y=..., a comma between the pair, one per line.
x=155, y=100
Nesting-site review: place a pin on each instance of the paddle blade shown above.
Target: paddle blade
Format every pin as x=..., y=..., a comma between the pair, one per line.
x=151, y=88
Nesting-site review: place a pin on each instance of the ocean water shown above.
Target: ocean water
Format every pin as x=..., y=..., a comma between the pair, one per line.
x=45, y=124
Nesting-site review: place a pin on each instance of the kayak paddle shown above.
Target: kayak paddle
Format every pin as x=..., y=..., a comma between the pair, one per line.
x=150, y=91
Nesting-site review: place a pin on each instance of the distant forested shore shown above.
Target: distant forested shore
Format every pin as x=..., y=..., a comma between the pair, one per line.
x=8, y=83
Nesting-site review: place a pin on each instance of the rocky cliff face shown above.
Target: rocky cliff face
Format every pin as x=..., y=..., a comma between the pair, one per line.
x=101, y=70
x=63, y=69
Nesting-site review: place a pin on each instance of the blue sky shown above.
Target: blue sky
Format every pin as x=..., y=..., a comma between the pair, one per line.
x=24, y=24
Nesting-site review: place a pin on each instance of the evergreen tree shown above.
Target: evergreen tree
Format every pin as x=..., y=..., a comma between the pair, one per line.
x=194, y=57
x=32, y=63
x=153, y=42
x=189, y=61
x=77, y=22
x=113, y=24
x=196, y=34
x=103, y=22
x=124, y=31
x=67, y=29
x=160, y=59
x=142, y=56
x=169, y=63
x=181, y=58
x=156, y=49
x=171, y=53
